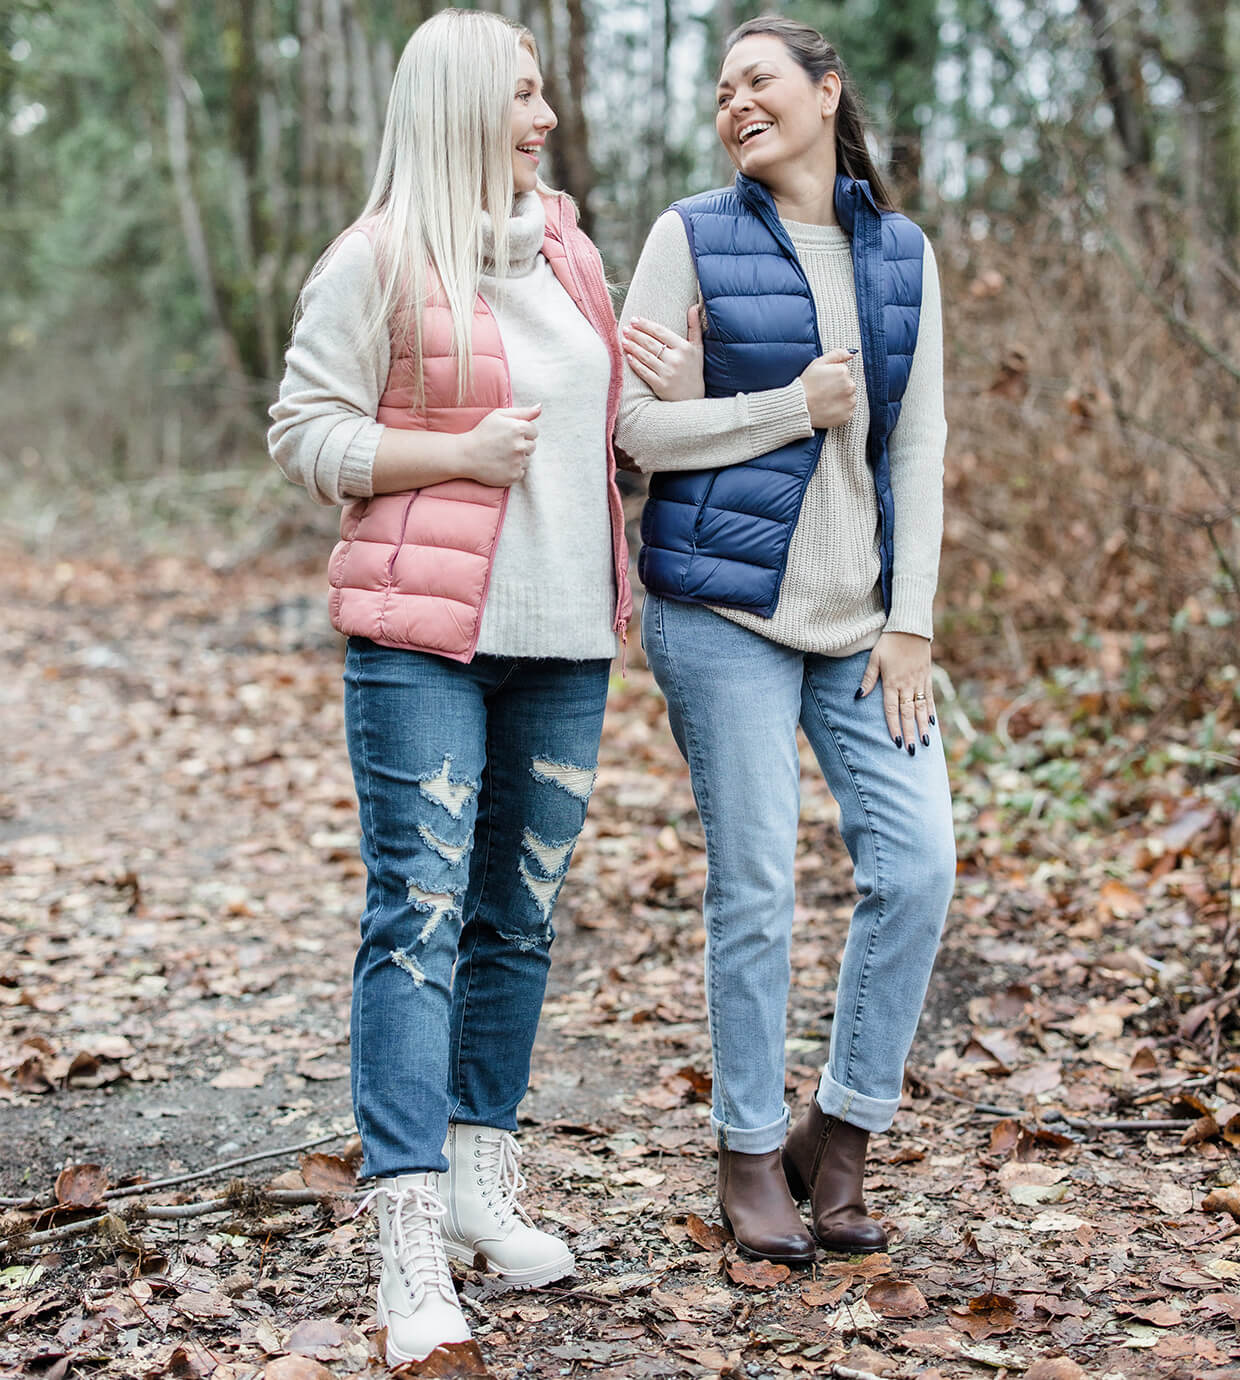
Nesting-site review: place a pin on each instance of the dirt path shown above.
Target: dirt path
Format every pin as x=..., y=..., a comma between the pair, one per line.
x=180, y=887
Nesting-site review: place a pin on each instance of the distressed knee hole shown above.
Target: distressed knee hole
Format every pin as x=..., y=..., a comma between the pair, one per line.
x=407, y=963
x=551, y=857
x=436, y=905
x=544, y=890
x=449, y=852
x=525, y=943
x=577, y=781
x=552, y=861
x=452, y=794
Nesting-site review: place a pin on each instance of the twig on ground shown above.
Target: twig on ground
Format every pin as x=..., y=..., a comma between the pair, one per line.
x=154, y=1185
x=172, y=1212
x=1054, y=1115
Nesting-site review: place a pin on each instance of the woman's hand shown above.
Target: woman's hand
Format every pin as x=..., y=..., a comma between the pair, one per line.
x=902, y=662
x=498, y=449
x=669, y=364
x=830, y=390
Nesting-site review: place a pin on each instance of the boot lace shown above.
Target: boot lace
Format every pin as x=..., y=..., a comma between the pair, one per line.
x=415, y=1237
x=500, y=1171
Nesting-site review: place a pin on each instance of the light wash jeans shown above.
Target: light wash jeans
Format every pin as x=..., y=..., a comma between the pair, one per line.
x=472, y=785
x=734, y=700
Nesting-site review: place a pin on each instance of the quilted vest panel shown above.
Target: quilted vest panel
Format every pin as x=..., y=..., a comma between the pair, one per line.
x=412, y=569
x=722, y=536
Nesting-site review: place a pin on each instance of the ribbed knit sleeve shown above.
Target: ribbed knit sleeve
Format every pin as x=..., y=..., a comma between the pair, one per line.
x=915, y=450
x=701, y=433
x=324, y=435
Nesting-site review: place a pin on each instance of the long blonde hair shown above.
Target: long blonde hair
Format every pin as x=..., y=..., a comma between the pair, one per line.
x=446, y=155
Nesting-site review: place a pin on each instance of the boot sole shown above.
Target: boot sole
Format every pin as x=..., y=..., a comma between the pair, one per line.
x=533, y=1278
x=802, y=1262
x=850, y=1250
x=398, y=1358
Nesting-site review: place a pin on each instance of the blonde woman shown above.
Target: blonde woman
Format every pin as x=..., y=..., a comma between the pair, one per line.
x=453, y=382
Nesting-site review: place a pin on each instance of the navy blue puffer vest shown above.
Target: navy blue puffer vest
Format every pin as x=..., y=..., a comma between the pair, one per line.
x=722, y=536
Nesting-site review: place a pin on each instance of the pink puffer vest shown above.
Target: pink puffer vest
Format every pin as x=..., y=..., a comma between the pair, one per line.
x=412, y=569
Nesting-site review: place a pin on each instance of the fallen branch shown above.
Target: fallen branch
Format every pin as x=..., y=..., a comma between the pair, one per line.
x=154, y=1185
x=1077, y=1123
x=174, y=1212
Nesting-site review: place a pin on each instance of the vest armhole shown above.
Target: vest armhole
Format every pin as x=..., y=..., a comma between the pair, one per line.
x=687, y=221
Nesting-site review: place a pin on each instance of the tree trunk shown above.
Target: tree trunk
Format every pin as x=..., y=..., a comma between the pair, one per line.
x=176, y=120
x=579, y=171
x=1131, y=121
x=309, y=160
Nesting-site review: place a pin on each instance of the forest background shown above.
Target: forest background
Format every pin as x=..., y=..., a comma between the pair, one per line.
x=169, y=172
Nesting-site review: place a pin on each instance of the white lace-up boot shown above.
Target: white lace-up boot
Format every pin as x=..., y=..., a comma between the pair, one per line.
x=484, y=1218
x=417, y=1301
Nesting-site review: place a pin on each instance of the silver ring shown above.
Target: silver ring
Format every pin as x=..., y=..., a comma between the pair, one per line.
x=662, y=348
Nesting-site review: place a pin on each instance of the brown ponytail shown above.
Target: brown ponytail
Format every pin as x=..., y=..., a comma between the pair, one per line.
x=817, y=57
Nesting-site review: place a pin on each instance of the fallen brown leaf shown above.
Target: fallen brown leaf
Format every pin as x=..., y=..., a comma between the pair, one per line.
x=328, y=1174
x=1055, y=1368
x=757, y=1274
x=1222, y=1200
x=295, y=1368
x=703, y=1234
x=315, y=1335
x=871, y=1267
x=459, y=1361
x=81, y=1185
x=820, y=1294
x=896, y=1299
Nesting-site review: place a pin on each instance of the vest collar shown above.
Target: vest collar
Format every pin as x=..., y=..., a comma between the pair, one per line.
x=849, y=192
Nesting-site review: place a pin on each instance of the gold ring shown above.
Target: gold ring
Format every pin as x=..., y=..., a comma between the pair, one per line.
x=919, y=699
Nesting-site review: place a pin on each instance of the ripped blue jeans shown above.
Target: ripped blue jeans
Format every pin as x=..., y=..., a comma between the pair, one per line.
x=472, y=785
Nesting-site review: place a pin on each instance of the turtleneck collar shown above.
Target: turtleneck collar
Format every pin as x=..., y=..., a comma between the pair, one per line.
x=526, y=226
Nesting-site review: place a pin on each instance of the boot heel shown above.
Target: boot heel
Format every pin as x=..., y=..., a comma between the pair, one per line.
x=796, y=1184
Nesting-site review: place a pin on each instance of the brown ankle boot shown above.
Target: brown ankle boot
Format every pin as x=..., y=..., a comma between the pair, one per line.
x=756, y=1208
x=824, y=1160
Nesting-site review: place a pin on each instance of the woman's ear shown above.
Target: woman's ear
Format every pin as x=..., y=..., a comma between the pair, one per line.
x=831, y=88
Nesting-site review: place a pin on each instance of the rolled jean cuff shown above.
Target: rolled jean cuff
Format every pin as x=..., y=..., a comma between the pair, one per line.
x=757, y=1142
x=866, y=1113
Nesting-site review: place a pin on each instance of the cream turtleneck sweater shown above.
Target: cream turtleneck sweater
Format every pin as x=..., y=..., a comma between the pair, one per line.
x=552, y=591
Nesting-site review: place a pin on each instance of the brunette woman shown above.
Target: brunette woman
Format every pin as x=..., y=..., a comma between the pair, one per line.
x=790, y=557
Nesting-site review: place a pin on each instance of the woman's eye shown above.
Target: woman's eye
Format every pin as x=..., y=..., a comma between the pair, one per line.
x=523, y=96
x=723, y=100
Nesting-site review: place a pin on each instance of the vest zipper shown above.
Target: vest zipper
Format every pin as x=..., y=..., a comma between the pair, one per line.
x=620, y=623
x=503, y=503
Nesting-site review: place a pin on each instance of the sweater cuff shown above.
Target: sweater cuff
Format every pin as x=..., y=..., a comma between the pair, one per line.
x=357, y=465
x=778, y=416
x=912, y=606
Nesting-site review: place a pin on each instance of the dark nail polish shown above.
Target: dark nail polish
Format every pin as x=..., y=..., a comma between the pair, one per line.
x=925, y=740
x=931, y=720
x=899, y=741
x=857, y=696
x=912, y=749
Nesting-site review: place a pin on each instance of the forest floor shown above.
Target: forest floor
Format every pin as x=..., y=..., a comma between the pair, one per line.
x=179, y=887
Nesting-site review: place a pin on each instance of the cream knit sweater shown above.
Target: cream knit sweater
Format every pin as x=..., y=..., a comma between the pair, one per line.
x=552, y=590
x=829, y=601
